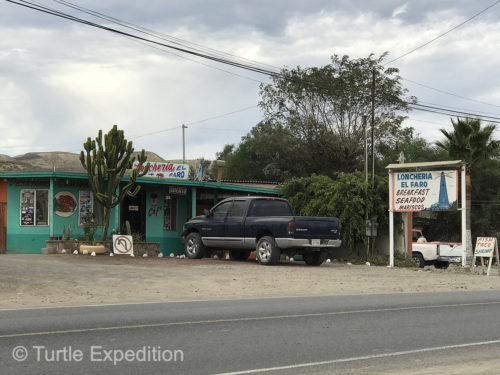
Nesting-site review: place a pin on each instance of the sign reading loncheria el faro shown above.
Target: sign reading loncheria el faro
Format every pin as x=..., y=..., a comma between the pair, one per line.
x=159, y=169
x=419, y=191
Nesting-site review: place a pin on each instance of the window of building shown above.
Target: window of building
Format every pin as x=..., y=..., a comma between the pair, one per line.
x=170, y=213
x=90, y=208
x=34, y=208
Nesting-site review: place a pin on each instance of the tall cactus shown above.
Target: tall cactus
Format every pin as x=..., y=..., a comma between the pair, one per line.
x=106, y=165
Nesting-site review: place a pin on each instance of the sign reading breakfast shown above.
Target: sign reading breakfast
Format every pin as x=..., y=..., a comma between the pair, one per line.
x=165, y=170
x=419, y=191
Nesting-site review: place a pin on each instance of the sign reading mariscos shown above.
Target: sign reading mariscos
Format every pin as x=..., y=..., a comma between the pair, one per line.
x=419, y=191
x=159, y=169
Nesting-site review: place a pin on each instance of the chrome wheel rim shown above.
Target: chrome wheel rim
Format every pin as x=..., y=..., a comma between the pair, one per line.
x=191, y=246
x=264, y=251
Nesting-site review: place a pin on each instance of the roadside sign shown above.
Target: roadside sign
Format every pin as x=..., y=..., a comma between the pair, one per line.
x=486, y=247
x=123, y=244
x=425, y=191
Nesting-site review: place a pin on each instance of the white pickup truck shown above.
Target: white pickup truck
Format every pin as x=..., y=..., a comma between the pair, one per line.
x=441, y=254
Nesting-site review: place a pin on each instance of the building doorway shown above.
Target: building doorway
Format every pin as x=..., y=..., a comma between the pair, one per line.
x=133, y=209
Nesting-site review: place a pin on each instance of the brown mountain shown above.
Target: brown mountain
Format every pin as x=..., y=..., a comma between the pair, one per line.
x=48, y=161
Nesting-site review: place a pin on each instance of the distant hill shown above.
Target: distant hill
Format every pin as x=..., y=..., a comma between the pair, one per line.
x=48, y=161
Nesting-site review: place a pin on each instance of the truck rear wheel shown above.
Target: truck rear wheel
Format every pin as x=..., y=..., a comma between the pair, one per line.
x=314, y=258
x=193, y=247
x=419, y=259
x=267, y=252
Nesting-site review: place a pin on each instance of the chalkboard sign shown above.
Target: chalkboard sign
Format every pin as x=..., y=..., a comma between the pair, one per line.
x=27, y=207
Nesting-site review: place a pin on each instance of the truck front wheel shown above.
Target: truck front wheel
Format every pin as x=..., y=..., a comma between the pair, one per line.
x=193, y=246
x=267, y=251
x=419, y=259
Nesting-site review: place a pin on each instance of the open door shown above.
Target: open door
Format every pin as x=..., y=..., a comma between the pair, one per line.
x=133, y=209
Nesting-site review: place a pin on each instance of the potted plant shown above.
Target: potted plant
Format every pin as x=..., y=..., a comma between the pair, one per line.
x=89, y=231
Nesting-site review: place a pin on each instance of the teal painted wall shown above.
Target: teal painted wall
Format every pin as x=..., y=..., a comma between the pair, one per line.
x=31, y=240
x=170, y=241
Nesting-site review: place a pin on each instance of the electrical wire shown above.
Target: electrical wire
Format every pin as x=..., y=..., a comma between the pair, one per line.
x=445, y=33
x=44, y=9
x=450, y=93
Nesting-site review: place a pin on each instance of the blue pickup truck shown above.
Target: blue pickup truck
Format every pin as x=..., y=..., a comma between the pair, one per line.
x=264, y=225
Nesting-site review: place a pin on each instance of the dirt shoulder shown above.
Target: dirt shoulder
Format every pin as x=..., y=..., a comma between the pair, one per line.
x=63, y=280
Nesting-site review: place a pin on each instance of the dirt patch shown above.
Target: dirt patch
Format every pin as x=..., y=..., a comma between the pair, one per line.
x=61, y=280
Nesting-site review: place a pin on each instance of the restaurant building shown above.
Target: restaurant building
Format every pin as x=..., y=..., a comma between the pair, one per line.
x=37, y=206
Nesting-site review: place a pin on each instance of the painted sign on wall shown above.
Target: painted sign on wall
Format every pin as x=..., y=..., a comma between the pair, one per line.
x=166, y=170
x=419, y=191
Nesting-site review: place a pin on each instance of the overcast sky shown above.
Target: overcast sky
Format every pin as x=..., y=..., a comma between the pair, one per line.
x=61, y=82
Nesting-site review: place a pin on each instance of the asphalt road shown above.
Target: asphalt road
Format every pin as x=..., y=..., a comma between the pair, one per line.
x=317, y=335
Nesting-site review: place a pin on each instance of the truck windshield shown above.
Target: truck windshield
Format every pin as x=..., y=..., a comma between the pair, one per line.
x=263, y=207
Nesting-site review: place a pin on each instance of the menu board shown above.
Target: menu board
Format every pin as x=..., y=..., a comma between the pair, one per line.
x=86, y=207
x=27, y=207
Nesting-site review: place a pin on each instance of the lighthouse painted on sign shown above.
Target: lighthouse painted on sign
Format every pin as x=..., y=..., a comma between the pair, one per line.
x=419, y=191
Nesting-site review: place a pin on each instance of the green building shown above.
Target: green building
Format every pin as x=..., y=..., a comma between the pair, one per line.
x=37, y=206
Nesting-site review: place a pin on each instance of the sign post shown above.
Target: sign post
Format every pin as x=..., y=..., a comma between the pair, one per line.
x=486, y=247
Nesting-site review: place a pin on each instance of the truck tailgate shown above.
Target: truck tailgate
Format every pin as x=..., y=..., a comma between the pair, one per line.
x=316, y=227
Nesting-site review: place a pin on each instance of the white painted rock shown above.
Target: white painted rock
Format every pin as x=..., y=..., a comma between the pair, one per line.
x=172, y=255
x=349, y=263
x=182, y=256
x=132, y=255
x=93, y=254
x=367, y=263
x=292, y=260
x=216, y=257
x=63, y=251
x=144, y=255
x=160, y=255
x=111, y=254
x=328, y=260
x=75, y=252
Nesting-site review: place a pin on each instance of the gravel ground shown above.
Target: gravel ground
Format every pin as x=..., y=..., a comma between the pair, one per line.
x=63, y=280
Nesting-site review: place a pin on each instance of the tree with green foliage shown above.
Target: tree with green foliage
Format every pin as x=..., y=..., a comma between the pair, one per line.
x=470, y=141
x=346, y=196
x=314, y=120
x=106, y=164
x=415, y=150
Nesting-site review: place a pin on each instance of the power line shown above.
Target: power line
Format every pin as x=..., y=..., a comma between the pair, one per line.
x=57, y=13
x=157, y=34
x=450, y=93
x=445, y=33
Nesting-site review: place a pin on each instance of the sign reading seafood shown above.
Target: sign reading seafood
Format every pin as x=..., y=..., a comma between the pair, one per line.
x=419, y=191
x=158, y=169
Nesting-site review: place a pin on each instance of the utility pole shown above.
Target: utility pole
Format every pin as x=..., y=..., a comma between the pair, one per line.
x=365, y=130
x=183, y=144
x=373, y=128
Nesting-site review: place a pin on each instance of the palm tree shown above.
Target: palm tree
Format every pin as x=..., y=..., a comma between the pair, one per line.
x=469, y=141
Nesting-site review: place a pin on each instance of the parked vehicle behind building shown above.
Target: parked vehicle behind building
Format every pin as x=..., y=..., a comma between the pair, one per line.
x=440, y=254
x=266, y=225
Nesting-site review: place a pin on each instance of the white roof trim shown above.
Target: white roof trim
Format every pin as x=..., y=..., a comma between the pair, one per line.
x=431, y=164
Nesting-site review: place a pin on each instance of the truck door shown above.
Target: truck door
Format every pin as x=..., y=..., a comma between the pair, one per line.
x=212, y=231
x=233, y=227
